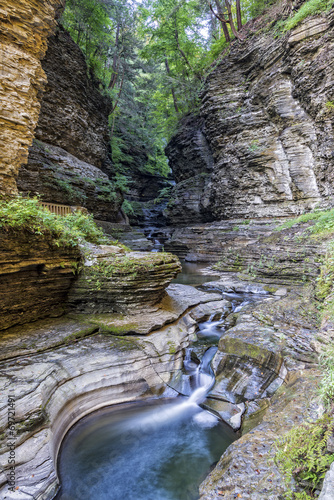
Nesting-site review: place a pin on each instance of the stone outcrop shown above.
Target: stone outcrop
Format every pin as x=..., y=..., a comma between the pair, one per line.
x=35, y=277
x=24, y=29
x=70, y=158
x=63, y=376
x=265, y=368
x=114, y=280
x=74, y=113
x=266, y=116
x=254, y=250
x=59, y=177
x=246, y=470
x=39, y=278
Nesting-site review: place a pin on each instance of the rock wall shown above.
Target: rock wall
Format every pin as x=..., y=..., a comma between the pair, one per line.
x=60, y=177
x=69, y=161
x=267, y=118
x=35, y=277
x=74, y=113
x=114, y=280
x=24, y=28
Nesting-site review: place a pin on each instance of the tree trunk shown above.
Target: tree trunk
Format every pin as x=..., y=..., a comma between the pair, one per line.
x=221, y=18
x=230, y=20
x=115, y=61
x=239, y=21
x=172, y=89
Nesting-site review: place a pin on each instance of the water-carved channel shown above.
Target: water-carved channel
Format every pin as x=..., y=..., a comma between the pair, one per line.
x=160, y=449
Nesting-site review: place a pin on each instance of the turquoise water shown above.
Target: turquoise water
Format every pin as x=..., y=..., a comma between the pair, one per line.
x=157, y=451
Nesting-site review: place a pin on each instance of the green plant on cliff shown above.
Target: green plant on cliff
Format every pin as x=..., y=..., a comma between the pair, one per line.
x=326, y=388
x=307, y=9
x=303, y=459
x=26, y=214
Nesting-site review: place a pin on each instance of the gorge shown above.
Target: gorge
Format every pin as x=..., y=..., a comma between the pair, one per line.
x=167, y=338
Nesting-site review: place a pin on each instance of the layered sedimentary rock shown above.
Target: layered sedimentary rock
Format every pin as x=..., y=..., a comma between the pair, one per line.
x=35, y=277
x=192, y=163
x=119, y=281
x=60, y=177
x=70, y=158
x=247, y=469
x=266, y=364
x=39, y=278
x=267, y=118
x=253, y=249
x=24, y=28
x=74, y=113
x=69, y=377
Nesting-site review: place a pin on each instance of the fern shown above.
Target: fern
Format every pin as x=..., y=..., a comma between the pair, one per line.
x=302, y=456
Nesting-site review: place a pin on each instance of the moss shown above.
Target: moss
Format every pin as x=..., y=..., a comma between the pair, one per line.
x=124, y=344
x=32, y=423
x=270, y=288
x=111, y=329
x=69, y=339
x=171, y=347
x=125, y=265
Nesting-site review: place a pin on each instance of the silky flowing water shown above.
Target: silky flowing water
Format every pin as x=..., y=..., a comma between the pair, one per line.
x=157, y=450
x=161, y=450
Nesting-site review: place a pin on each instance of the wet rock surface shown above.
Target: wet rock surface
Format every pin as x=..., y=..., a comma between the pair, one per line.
x=73, y=375
x=254, y=250
x=247, y=468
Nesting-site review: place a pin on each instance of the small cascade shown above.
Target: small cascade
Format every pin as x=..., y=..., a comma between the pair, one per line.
x=204, y=378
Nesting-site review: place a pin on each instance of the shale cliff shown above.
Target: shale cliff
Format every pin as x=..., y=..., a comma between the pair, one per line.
x=262, y=144
x=24, y=29
x=69, y=161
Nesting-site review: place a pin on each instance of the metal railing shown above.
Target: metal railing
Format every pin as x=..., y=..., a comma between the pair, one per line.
x=58, y=209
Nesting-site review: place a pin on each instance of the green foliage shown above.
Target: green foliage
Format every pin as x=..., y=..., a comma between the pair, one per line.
x=128, y=208
x=91, y=28
x=324, y=225
x=326, y=388
x=164, y=194
x=307, y=9
x=330, y=105
x=26, y=214
x=301, y=455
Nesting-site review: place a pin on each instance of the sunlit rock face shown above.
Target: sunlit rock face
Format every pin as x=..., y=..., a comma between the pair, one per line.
x=24, y=28
x=265, y=118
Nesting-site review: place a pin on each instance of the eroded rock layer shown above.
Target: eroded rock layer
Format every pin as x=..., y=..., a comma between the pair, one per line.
x=35, y=277
x=59, y=386
x=60, y=177
x=69, y=162
x=268, y=122
x=114, y=280
x=24, y=28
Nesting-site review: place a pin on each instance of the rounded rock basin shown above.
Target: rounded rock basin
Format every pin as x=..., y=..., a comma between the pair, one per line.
x=158, y=450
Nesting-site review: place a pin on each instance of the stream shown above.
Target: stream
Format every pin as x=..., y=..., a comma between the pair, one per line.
x=160, y=449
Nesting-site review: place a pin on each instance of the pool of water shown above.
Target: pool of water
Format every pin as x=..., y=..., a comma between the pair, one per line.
x=191, y=274
x=156, y=451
